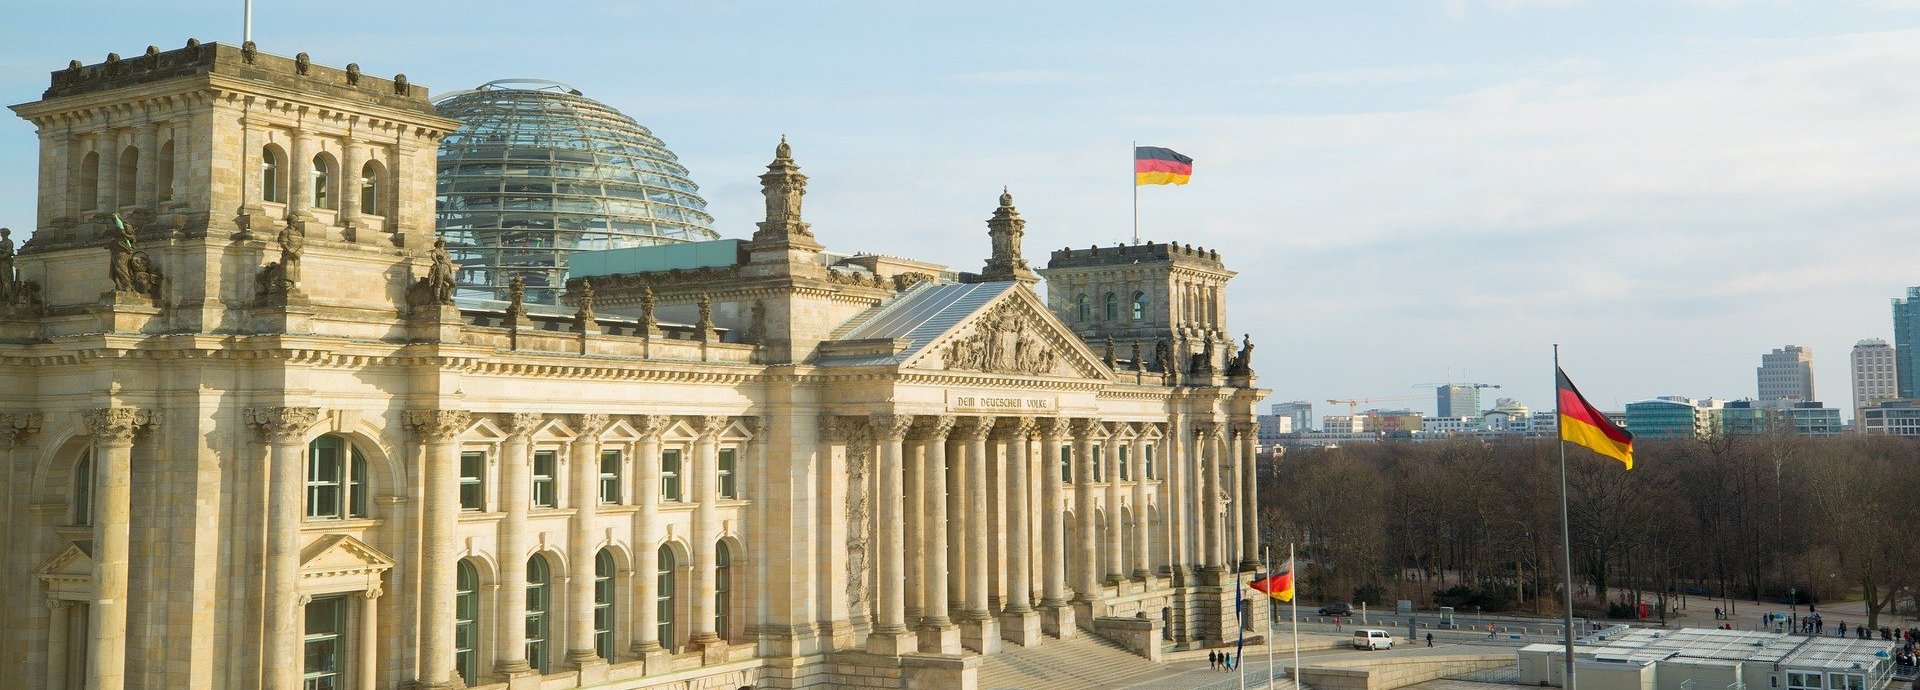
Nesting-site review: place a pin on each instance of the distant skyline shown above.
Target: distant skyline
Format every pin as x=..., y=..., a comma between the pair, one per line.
x=1668, y=189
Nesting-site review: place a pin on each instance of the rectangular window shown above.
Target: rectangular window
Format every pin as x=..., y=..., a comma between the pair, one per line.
x=1099, y=458
x=325, y=470
x=544, y=493
x=473, y=468
x=1126, y=471
x=356, y=485
x=1066, y=463
x=1147, y=464
x=670, y=474
x=610, y=476
x=725, y=473
x=324, y=647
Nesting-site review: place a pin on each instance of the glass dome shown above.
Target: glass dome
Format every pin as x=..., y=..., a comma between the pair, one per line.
x=537, y=170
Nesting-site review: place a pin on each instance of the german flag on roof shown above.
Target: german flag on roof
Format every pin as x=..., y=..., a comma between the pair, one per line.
x=1156, y=165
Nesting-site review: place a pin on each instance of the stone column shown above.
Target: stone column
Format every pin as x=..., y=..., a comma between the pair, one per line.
x=182, y=153
x=146, y=137
x=1249, y=496
x=890, y=635
x=938, y=635
x=107, y=143
x=1089, y=553
x=1018, y=621
x=1231, y=554
x=516, y=489
x=369, y=643
x=978, y=628
x=706, y=529
x=1206, y=459
x=112, y=429
x=1142, y=559
x=957, y=519
x=300, y=175
x=585, y=463
x=1179, y=562
x=285, y=429
x=913, y=511
x=349, y=181
x=647, y=535
x=436, y=431
x=1116, y=531
x=59, y=620
x=1056, y=615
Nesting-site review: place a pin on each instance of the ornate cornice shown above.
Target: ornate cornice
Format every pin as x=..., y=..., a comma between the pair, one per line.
x=437, y=425
x=283, y=425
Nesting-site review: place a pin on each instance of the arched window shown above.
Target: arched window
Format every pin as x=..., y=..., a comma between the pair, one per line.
x=1085, y=308
x=466, y=621
x=1139, y=305
x=539, y=600
x=371, y=177
x=270, y=166
x=603, y=613
x=1113, y=307
x=126, y=179
x=163, y=170
x=323, y=176
x=336, y=480
x=722, y=583
x=83, y=489
x=663, y=598
x=86, y=189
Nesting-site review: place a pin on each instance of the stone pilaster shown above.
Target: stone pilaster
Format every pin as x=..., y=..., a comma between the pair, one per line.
x=1180, y=562
x=59, y=621
x=1056, y=615
x=147, y=137
x=646, y=537
x=706, y=529
x=285, y=429
x=1142, y=522
x=978, y=628
x=437, y=432
x=516, y=499
x=1116, y=534
x=1249, y=497
x=938, y=634
x=1019, y=623
x=890, y=635
x=113, y=429
x=1088, y=585
x=1206, y=485
x=585, y=463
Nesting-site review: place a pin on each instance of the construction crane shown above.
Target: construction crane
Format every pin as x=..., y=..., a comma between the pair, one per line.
x=1462, y=385
x=1353, y=403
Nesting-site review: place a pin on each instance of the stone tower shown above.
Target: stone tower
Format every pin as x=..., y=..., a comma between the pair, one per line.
x=1006, y=228
x=1168, y=299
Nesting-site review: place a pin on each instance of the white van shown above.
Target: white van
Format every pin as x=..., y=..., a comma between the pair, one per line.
x=1372, y=639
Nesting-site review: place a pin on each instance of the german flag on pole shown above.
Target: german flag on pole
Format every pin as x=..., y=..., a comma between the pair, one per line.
x=1278, y=586
x=1584, y=425
x=1156, y=165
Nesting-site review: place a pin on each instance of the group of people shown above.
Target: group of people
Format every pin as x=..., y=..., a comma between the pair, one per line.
x=1222, y=661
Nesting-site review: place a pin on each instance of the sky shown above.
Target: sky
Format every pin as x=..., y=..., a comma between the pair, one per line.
x=1412, y=192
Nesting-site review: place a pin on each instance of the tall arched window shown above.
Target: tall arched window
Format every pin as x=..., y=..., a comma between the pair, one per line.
x=1085, y=310
x=603, y=613
x=86, y=188
x=83, y=489
x=371, y=176
x=323, y=176
x=663, y=598
x=271, y=164
x=539, y=600
x=126, y=179
x=336, y=480
x=163, y=171
x=722, y=583
x=1139, y=305
x=466, y=621
x=1113, y=307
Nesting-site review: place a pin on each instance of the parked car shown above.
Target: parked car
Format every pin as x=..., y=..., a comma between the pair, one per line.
x=1338, y=608
x=1372, y=639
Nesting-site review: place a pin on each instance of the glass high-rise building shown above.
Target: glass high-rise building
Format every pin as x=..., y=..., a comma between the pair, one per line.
x=537, y=171
x=1906, y=341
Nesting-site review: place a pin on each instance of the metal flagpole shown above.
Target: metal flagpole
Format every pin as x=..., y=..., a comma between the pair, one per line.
x=246, y=28
x=1133, y=154
x=1566, y=541
x=1293, y=607
x=1267, y=555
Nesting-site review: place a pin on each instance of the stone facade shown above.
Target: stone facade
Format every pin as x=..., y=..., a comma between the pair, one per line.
x=251, y=439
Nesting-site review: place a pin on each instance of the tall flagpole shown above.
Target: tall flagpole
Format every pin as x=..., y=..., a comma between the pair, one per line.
x=1267, y=555
x=1293, y=607
x=1566, y=541
x=1133, y=158
x=246, y=24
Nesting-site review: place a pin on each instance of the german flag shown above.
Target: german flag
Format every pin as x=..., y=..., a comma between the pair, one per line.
x=1278, y=586
x=1156, y=165
x=1584, y=425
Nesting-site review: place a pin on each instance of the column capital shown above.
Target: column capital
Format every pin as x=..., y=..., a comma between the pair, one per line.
x=1242, y=428
x=1208, y=430
x=712, y=425
x=283, y=425
x=588, y=425
x=1057, y=428
x=887, y=426
x=521, y=425
x=17, y=426
x=934, y=427
x=437, y=425
x=1012, y=428
x=57, y=604
x=1085, y=427
x=651, y=426
x=116, y=425
x=372, y=593
x=974, y=428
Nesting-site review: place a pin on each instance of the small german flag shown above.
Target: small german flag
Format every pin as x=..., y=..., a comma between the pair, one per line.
x=1277, y=586
x=1584, y=425
x=1156, y=165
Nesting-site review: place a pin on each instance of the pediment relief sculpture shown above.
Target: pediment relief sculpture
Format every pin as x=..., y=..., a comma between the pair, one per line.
x=1003, y=341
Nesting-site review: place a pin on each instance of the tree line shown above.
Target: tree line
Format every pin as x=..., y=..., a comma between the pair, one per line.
x=1471, y=523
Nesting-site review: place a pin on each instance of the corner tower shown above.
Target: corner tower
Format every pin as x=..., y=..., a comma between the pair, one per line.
x=1166, y=299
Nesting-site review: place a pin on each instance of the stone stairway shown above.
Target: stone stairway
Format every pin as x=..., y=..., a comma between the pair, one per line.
x=1077, y=663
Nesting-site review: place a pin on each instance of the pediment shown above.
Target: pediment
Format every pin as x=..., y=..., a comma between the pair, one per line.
x=340, y=554
x=1013, y=334
x=71, y=563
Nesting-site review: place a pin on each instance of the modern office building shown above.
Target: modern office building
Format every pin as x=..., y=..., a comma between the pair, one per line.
x=1673, y=417
x=1906, y=342
x=1764, y=417
x=1891, y=418
x=228, y=471
x=1300, y=411
x=1786, y=374
x=1456, y=400
x=1875, y=374
x=537, y=171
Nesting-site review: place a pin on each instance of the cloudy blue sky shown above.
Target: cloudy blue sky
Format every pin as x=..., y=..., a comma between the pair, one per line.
x=1410, y=190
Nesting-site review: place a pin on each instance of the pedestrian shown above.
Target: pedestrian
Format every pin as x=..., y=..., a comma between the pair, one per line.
x=1489, y=631
x=1429, y=639
x=1213, y=660
x=1716, y=613
x=1843, y=628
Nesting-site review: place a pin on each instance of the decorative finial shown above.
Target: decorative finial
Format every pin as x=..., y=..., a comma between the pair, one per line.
x=783, y=151
x=1006, y=198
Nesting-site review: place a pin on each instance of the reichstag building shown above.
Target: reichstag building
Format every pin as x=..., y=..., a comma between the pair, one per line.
x=309, y=384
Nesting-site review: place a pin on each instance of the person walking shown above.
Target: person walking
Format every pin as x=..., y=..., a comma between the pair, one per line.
x=1213, y=661
x=1489, y=631
x=1429, y=639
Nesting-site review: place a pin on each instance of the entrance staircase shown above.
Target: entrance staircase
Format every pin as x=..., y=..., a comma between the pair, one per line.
x=1076, y=663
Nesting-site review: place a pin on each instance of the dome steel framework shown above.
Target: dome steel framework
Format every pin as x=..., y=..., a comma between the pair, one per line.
x=537, y=170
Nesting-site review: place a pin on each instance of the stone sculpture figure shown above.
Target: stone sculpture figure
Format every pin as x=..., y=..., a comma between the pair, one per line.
x=1108, y=355
x=1203, y=360
x=1138, y=363
x=706, y=313
x=516, y=297
x=1162, y=356
x=585, y=313
x=6, y=265
x=440, y=276
x=121, y=248
x=647, y=322
x=757, y=325
x=293, y=244
x=1243, y=363
x=1001, y=342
